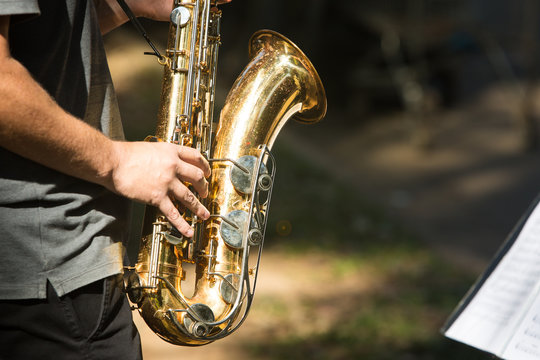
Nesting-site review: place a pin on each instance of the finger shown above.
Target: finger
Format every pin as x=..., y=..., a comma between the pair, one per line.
x=186, y=197
x=194, y=157
x=195, y=176
x=171, y=213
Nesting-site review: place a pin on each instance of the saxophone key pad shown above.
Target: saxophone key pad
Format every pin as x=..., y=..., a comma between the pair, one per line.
x=195, y=327
x=229, y=288
x=133, y=287
x=242, y=181
x=231, y=235
x=180, y=16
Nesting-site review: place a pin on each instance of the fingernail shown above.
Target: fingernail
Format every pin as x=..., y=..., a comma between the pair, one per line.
x=189, y=232
x=206, y=214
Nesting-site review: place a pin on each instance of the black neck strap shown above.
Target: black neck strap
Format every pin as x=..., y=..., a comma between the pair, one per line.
x=139, y=28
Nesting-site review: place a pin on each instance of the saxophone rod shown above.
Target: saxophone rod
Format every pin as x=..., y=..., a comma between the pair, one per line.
x=232, y=161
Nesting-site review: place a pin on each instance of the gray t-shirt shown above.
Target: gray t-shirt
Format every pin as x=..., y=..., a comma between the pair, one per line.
x=54, y=227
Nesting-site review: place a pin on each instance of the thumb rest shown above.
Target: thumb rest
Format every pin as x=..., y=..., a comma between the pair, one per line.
x=278, y=83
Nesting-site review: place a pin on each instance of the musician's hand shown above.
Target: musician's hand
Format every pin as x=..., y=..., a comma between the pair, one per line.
x=154, y=173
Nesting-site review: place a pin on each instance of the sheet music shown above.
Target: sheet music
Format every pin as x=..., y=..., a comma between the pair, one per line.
x=525, y=343
x=491, y=319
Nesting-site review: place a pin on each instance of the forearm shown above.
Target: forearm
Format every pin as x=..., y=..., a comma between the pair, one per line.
x=34, y=126
x=111, y=15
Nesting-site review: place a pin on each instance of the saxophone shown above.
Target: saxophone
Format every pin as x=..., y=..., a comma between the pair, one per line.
x=223, y=255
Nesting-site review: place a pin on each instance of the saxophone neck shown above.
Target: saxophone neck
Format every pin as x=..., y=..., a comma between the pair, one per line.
x=185, y=114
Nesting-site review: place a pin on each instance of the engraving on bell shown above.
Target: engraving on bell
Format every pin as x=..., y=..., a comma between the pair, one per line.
x=180, y=16
x=195, y=327
x=229, y=292
x=242, y=181
x=233, y=237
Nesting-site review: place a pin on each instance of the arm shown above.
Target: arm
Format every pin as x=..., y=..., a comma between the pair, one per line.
x=34, y=126
x=111, y=15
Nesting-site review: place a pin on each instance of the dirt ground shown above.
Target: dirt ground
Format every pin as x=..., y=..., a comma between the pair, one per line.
x=283, y=277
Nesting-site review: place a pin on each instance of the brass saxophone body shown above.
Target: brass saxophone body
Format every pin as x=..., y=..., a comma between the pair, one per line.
x=224, y=253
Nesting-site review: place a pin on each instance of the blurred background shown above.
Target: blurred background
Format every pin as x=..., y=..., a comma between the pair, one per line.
x=384, y=213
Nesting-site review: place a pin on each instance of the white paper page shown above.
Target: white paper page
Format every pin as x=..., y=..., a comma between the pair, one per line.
x=525, y=343
x=492, y=317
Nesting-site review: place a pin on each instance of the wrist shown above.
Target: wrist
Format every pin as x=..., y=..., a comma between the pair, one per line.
x=136, y=8
x=110, y=163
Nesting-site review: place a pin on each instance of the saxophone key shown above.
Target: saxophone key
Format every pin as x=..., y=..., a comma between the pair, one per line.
x=229, y=288
x=180, y=16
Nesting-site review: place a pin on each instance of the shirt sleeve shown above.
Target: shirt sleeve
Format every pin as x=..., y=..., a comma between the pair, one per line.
x=19, y=7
